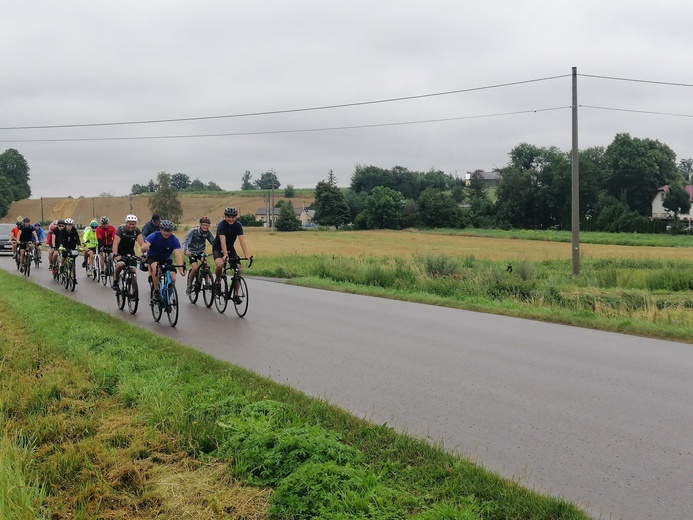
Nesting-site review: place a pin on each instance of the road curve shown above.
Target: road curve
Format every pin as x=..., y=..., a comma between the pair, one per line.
x=602, y=419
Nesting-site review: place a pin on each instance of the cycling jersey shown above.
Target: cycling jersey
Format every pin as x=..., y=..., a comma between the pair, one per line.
x=68, y=239
x=230, y=232
x=196, y=240
x=105, y=235
x=89, y=238
x=161, y=248
x=126, y=246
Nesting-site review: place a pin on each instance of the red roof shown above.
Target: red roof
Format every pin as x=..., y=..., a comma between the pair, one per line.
x=689, y=189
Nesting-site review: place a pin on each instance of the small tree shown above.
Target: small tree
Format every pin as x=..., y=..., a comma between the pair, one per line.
x=289, y=191
x=677, y=200
x=287, y=219
x=247, y=183
x=330, y=206
x=267, y=180
x=165, y=199
x=383, y=209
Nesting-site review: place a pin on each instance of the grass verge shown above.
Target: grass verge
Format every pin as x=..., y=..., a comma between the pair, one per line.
x=92, y=405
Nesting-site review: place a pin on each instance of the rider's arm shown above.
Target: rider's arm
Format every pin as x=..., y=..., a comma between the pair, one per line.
x=116, y=241
x=178, y=253
x=241, y=240
x=144, y=246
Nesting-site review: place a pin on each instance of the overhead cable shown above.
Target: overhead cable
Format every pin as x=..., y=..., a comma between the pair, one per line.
x=286, y=111
x=292, y=131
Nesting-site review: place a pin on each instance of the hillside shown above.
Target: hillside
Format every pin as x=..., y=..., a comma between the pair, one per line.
x=115, y=208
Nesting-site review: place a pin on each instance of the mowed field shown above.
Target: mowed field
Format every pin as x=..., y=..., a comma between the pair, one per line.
x=263, y=243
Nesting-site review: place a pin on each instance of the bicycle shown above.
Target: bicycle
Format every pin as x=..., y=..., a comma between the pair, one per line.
x=168, y=295
x=91, y=270
x=68, y=269
x=203, y=281
x=37, y=255
x=26, y=262
x=108, y=266
x=236, y=290
x=127, y=285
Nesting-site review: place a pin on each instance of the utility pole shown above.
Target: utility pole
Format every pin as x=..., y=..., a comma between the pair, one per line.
x=575, y=199
x=42, y=219
x=272, y=208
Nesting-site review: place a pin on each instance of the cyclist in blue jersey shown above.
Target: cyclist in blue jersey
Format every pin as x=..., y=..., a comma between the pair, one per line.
x=161, y=245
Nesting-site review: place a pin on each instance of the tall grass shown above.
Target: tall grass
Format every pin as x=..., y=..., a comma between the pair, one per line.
x=22, y=494
x=655, y=295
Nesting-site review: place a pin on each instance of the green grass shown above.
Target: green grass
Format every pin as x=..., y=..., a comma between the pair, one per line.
x=646, y=297
x=320, y=461
x=586, y=237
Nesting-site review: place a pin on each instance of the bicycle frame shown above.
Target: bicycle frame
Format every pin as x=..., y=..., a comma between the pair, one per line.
x=168, y=295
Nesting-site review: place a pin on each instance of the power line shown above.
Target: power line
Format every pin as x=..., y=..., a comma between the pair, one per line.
x=292, y=131
x=636, y=111
x=286, y=111
x=637, y=80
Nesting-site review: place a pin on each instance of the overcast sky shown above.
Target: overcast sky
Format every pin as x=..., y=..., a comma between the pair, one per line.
x=87, y=62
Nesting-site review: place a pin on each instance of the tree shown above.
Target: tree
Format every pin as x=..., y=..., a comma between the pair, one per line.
x=686, y=169
x=287, y=219
x=289, y=191
x=15, y=169
x=165, y=199
x=383, y=208
x=247, y=184
x=5, y=196
x=267, y=181
x=677, y=200
x=637, y=168
x=197, y=185
x=330, y=205
x=213, y=186
x=138, y=189
x=476, y=183
x=437, y=210
x=180, y=181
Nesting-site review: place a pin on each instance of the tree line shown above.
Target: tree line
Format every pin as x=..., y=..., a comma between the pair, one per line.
x=617, y=185
x=14, y=179
x=177, y=182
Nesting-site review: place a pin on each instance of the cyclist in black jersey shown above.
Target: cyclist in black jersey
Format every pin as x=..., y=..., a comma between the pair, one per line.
x=124, y=242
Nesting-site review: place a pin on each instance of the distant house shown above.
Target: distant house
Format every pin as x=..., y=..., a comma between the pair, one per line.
x=305, y=215
x=658, y=211
x=490, y=178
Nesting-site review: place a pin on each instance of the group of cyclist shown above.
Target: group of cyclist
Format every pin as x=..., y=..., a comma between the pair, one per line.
x=156, y=240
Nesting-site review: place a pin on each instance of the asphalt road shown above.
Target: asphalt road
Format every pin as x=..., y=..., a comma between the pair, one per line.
x=603, y=419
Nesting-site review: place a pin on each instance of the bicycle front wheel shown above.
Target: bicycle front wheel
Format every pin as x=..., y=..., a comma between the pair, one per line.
x=208, y=289
x=133, y=295
x=194, y=293
x=172, y=306
x=107, y=272
x=240, y=297
x=73, y=276
x=221, y=296
x=122, y=291
x=155, y=305
x=37, y=258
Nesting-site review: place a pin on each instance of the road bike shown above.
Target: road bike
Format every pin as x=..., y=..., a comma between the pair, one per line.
x=127, y=285
x=233, y=288
x=92, y=270
x=108, y=267
x=37, y=255
x=68, y=269
x=26, y=261
x=168, y=295
x=203, y=282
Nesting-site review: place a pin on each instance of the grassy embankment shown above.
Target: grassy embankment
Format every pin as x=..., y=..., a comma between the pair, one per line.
x=645, y=290
x=101, y=419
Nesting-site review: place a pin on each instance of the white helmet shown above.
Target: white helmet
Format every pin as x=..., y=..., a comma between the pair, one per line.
x=69, y=221
x=131, y=218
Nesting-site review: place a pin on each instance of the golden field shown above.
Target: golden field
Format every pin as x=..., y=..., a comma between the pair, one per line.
x=262, y=242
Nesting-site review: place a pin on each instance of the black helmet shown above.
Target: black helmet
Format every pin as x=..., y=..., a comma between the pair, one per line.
x=104, y=220
x=231, y=212
x=166, y=225
x=205, y=220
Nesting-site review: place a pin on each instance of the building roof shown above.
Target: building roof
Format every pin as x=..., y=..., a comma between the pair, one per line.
x=688, y=188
